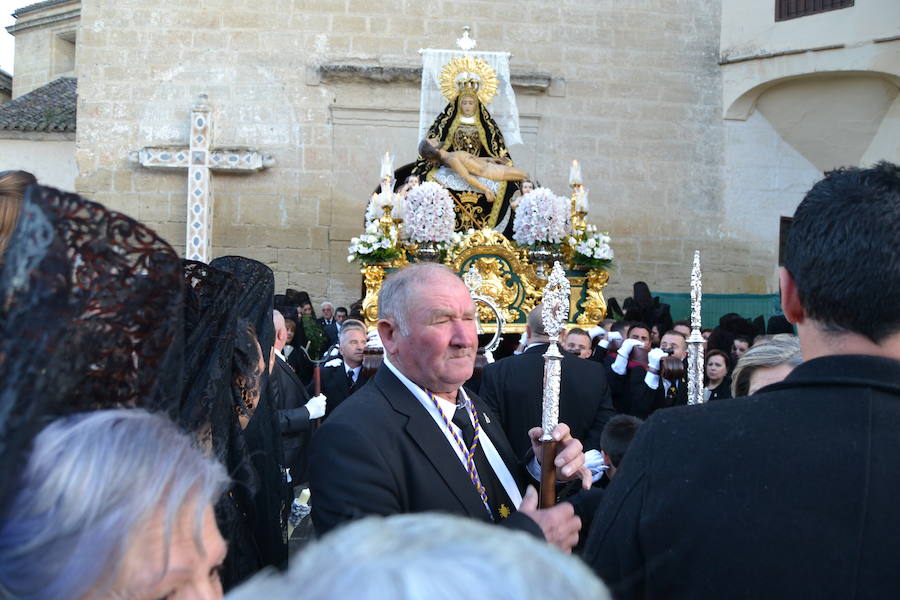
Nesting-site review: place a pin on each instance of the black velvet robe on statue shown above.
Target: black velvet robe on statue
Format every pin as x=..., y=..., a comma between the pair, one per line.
x=492, y=145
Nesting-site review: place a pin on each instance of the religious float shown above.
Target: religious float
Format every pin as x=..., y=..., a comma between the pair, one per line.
x=464, y=203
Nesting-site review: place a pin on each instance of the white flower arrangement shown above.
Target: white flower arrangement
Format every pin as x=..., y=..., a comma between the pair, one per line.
x=429, y=214
x=592, y=249
x=542, y=217
x=374, y=245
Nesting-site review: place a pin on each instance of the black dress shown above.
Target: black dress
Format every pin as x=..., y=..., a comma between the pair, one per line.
x=721, y=391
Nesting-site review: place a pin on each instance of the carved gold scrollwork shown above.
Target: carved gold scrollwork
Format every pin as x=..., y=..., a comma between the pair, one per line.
x=593, y=308
x=507, y=278
x=373, y=275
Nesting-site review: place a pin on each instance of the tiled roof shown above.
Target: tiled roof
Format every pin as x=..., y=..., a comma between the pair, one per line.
x=48, y=108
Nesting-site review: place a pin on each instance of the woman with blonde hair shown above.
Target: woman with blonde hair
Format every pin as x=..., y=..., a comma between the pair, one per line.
x=12, y=189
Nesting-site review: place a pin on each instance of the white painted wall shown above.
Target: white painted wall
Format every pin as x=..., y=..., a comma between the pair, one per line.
x=749, y=27
x=52, y=162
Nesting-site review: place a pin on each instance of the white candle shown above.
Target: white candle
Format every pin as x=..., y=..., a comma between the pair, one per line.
x=581, y=202
x=387, y=166
x=575, y=173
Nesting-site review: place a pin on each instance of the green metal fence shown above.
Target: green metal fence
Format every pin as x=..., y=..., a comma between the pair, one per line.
x=749, y=306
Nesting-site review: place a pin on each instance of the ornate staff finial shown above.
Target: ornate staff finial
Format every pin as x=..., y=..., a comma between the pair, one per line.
x=695, y=341
x=555, y=304
x=696, y=291
x=473, y=279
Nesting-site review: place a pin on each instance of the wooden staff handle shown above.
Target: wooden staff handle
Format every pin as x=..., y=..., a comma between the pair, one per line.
x=548, y=474
x=317, y=389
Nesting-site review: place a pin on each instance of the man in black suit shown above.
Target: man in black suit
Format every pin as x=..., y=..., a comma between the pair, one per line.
x=413, y=440
x=514, y=386
x=328, y=324
x=345, y=375
x=738, y=499
x=293, y=406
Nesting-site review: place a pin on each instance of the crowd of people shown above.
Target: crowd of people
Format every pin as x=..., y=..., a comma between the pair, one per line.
x=160, y=418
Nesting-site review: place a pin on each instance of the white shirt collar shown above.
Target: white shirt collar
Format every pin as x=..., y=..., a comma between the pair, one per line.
x=278, y=353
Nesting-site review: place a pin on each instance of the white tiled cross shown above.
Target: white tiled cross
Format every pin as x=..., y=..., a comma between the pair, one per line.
x=200, y=159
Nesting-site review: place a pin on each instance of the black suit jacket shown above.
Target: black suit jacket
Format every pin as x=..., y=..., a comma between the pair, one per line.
x=381, y=453
x=330, y=330
x=737, y=499
x=513, y=387
x=335, y=386
x=632, y=396
x=289, y=398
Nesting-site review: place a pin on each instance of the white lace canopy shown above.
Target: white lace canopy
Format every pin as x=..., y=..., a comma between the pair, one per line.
x=502, y=108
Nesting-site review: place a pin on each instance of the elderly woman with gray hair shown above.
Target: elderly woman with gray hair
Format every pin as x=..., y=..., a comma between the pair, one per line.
x=764, y=364
x=427, y=556
x=113, y=504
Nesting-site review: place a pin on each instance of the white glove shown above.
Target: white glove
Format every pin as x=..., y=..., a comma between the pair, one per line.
x=654, y=357
x=593, y=460
x=595, y=331
x=621, y=363
x=614, y=335
x=604, y=343
x=627, y=346
x=316, y=406
x=523, y=339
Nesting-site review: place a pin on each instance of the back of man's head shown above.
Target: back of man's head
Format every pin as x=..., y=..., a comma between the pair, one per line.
x=842, y=251
x=617, y=436
x=536, y=323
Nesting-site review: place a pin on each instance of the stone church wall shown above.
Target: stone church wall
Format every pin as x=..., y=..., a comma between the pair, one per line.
x=629, y=88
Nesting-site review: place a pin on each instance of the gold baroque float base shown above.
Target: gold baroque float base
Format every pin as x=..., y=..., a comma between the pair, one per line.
x=508, y=278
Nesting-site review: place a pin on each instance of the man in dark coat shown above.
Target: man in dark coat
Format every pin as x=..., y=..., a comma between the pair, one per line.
x=738, y=499
x=343, y=375
x=413, y=440
x=514, y=386
x=328, y=324
x=293, y=407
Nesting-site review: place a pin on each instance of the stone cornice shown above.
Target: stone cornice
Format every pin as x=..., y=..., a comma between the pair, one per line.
x=340, y=71
x=75, y=13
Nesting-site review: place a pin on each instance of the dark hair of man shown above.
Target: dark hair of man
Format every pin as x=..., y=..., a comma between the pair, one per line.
x=620, y=326
x=639, y=325
x=685, y=322
x=429, y=152
x=579, y=331
x=842, y=251
x=340, y=309
x=743, y=338
x=617, y=435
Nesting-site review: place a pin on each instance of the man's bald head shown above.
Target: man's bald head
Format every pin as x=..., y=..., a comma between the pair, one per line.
x=281, y=333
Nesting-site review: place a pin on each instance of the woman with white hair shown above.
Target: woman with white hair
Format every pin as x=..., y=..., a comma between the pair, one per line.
x=113, y=504
x=427, y=556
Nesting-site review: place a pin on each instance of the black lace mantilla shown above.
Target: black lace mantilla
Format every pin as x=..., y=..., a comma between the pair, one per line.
x=90, y=314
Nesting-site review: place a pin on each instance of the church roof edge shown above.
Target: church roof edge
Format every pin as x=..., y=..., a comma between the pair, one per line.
x=49, y=108
x=38, y=6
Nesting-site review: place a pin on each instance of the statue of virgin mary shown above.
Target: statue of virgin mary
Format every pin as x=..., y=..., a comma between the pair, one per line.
x=468, y=84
